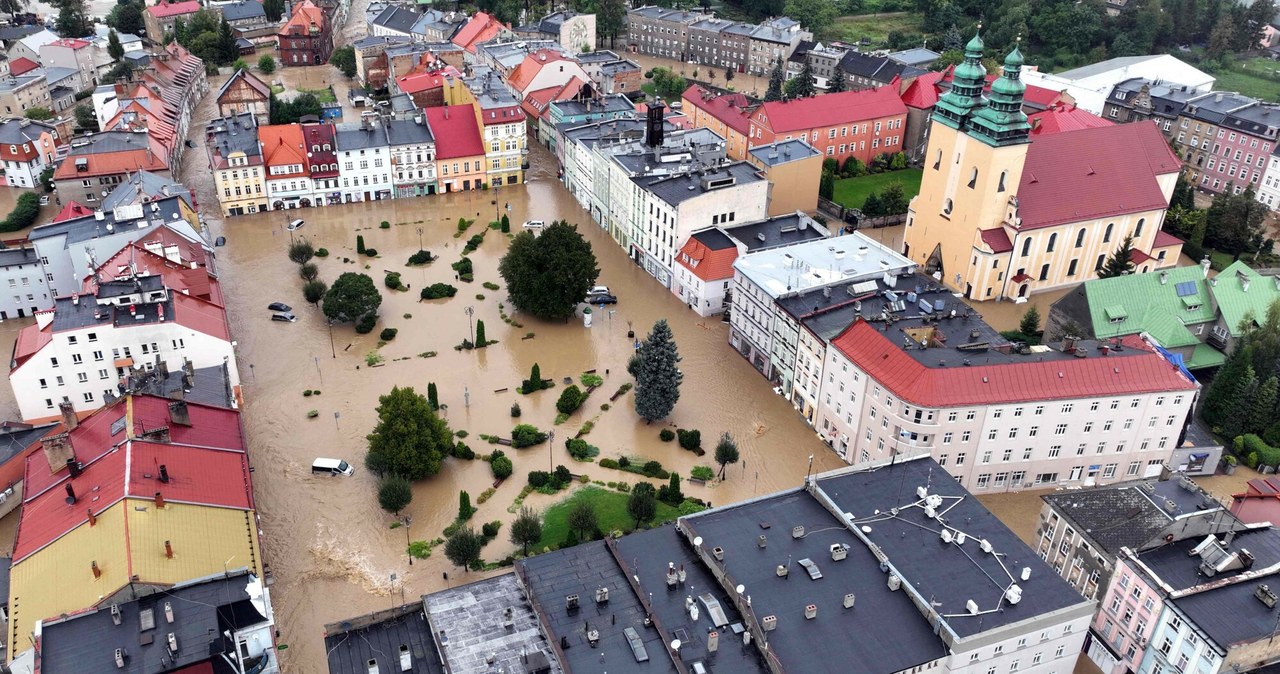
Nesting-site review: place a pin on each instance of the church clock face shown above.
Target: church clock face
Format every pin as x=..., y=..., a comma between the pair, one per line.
x=578, y=35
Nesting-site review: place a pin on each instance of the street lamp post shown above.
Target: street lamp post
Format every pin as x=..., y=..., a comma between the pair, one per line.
x=551, y=443
x=470, y=328
x=419, y=238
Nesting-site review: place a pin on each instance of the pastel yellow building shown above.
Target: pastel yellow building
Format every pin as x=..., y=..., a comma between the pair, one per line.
x=235, y=157
x=102, y=522
x=1002, y=214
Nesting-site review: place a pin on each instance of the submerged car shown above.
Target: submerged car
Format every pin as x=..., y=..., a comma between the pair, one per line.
x=279, y=306
x=284, y=316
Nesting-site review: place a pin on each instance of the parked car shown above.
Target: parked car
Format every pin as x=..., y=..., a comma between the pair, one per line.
x=599, y=290
x=284, y=316
x=296, y=224
x=44, y=200
x=534, y=224
x=601, y=298
x=332, y=467
x=279, y=306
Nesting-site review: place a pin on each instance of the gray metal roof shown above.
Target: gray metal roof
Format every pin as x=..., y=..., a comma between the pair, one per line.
x=470, y=620
x=242, y=10
x=397, y=18
x=19, y=131
x=145, y=184
x=234, y=133
x=1232, y=615
x=581, y=570
x=110, y=141
x=1213, y=107
x=783, y=152
x=947, y=575
x=780, y=230
x=713, y=238
x=354, y=137
x=207, y=385
x=408, y=132
x=916, y=56
x=89, y=227
x=679, y=188
x=71, y=316
x=351, y=644
x=202, y=609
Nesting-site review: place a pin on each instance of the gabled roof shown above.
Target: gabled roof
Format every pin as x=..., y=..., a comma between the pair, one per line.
x=71, y=211
x=21, y=66
x=305, y=15
x=1059, y=118
x=731, y=109
x=523, y=75
x=110, y=153
x=165, y=9
x=830, y=109
x=481, y=27
x=922, y=92
x=1243, y=294
x=709, y=255
x=1108, y=171
x=243, y=75
x=425, y=81
x=997, y=240
x=536, y=103
x=1160, y=303
x=282, y=145
x=456, y=131
x=1138, y=369
x=241, y=10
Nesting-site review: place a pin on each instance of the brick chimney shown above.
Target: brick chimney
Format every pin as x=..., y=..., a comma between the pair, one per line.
x=179, y=415
x=58, y=451
x=69, y=418
x=159, y=500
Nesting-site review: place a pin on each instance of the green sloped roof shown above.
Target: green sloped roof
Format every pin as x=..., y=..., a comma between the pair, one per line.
x=1235, y=302
x=1205, y=356
x=1150, y=306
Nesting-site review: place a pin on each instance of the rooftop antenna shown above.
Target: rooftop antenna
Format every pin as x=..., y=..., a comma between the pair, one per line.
x=809, y=470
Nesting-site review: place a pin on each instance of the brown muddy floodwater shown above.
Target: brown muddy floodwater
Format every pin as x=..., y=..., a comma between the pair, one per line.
x=329, y=545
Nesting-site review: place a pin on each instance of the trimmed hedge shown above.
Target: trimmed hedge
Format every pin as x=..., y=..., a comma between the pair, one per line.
x=437, y=291
x=1255, y=451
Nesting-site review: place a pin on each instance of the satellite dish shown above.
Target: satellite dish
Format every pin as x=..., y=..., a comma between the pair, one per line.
x=866, y=529
x=675, y=644
x=697, y=541
x=741, y=588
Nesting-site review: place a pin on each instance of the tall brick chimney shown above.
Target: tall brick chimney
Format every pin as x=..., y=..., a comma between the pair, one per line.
x=57, y=451
x=69, y=418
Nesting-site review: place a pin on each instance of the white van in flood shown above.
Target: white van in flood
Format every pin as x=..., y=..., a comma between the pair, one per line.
x=332, y=467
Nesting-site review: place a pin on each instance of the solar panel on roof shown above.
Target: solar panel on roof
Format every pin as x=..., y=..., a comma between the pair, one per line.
x=1186, y=288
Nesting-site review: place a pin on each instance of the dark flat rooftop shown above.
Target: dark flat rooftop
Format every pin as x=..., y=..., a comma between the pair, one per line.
x=471, y=621
x=1177, y=567
x=352, y=644
x=884, y=632
x=713, y=238
x=69, y=315
x=647, y=555
x=581, y=570
x=15, y=439
x=947, y=573
x=1128, y=514
x=780, y=230
x=208, y=386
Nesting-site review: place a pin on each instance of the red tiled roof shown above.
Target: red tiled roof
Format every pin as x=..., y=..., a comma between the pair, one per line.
x=1164, y=239
x=305, y=14
x=997, y=240
x=1138, y=370
x=30, y=340
x=1267, y=487
x=728, y=108
x=503, y=115
x=201, y=316
x=1107, y=171
x=417, y=82
x=523, y=74
x=22, y=65
x=922, y=93
x=109, y=163
x=1059, y=118
x=70, y=43
x=706, y=263
x=456, y=131
x=480, y=28
x=165, y=9
x=214, y=477
x=535, y=103
x=72, y=211
x=830, y=109
x=282, y=145
x=1138, y=257
x=1040, y=96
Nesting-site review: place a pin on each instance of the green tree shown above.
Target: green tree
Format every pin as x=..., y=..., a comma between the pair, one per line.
x=274, y=9
x=803, y=85
x=642, y=504
x=409, y=439
x=776, y=80
x=85, y=119
x=267, y=64
x=657, y=374
x=501, y=467
x=582, y=518
x=827, y=185
x=433, y=397
x=24, y=213
x=480, y=338
x=547, y=276
x=893, y=199
x=308, y=271
x=1246, y=390
x=463, y=547
x=73, y=19
x=313, y=291
x=1184, y=194
x=1120, y=262
x=38, y=114
x=114, y=49
x=526, y=529
x=1222, y=39
x=344, y=59
x=871, y=206
x=570, y=400
x=301, y=251
x=1234, y=222
x=670, y=493
x=611, y=19
x=1224, y=390
x=1030, y=323
x=837, y=83
x=352, y=297
x=726, y=452
x=1263, y=411
x=465, y=511
x=394, y=493
x=818, y=15
x=128, y=18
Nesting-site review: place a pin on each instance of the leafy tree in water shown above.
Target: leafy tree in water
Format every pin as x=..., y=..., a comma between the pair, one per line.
x=657, y=374
x=351, y=297
x=776, y=80
x=1120, y=262
x=274, y=9
x=642, y=504
x=409, y=439
x=313, y=291
x=73, y=19
x=726, y=452
x=125, y=17
x=433, y=396
x=1030, y=323
x=267, y=64
x=548, y=275
x=526, y=529
x=463, y=547
x=114, y=49
x=301, y=251
x=611, y=19
x=308, y=271
x=344, y=59
x=394, y=493
x=582, y=519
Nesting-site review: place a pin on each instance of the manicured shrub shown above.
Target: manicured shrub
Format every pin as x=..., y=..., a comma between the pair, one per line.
x=490, y=529
x=371, y=252
x=359, y=244
x=421, y=257
x=322, y=252
x=608, y=463
x=462, y=451
x=702, y=473
x=652, y=468
x=666, y=435
x=392, y=280
x=436, y=291
x=388, y=334
x=580, y=450
x=366, y=324
x=689, y=439
x=526, y=435
x=570, y=400
x=515, y=410
x=394, y=493
x=384, y=225
x=624, y=461
x=538, y=478
x=500, y=465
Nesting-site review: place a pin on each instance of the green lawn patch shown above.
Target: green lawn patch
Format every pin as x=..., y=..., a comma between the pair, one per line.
x=325, y=95
x=611, y=512
x=852, y=192
x=875, y=27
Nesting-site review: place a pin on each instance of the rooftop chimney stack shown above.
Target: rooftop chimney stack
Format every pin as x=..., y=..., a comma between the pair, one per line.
x=159, y=499
x=58, y=452
x=71, y=494
x=164, y=474
x=654, y=127
x=168, y=552
x=97, y=572
x=69, y=418
x=93, y=519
